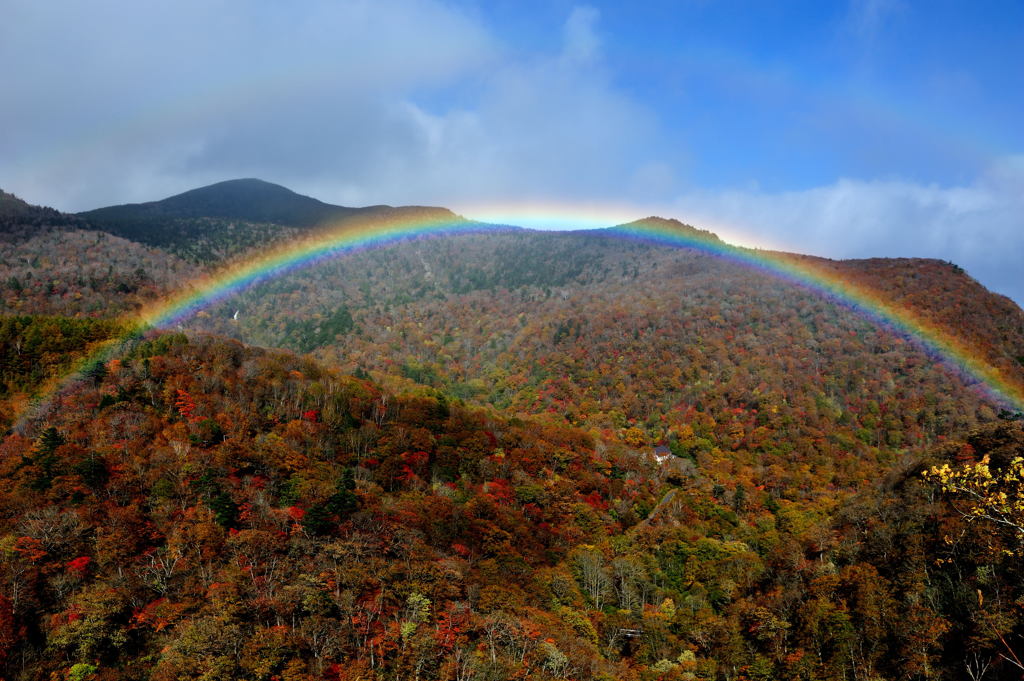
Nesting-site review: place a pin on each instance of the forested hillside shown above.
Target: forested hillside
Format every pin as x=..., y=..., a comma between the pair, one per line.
x=204, y=510
x=79, y=272
x=37, y=352
x=948, y=297
x=19, y=218
x=498, y=455
x=608, y=333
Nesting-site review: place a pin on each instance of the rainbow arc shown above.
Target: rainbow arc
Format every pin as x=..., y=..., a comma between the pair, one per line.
x=369, y=233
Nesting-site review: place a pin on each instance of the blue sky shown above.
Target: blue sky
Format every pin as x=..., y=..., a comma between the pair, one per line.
x=845, y=129
x=796, y=94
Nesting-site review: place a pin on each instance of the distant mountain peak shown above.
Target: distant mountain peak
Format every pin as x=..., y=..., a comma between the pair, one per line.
x=248, y=199
x=242, y=181
x=674, y=225
x=233, y=214
x=16, y=214
x=248, y=188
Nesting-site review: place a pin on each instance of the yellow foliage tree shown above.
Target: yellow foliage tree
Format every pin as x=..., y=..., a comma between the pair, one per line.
x=634, y=437
x=981, y=493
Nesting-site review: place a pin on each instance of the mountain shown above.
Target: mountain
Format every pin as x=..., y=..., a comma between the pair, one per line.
x=495, y=310
x=205, y=226
x=668, y=224
x=412, y=304
x=946, y=296
x=54, y=263
x=226, y=218
x=11, y=207
x=19, y=219
x=246, y=199
x=501, y=454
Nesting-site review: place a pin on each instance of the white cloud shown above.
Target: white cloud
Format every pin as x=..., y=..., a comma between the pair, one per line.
x=979, y=225
x=865, y=18
x=548, y=127
x=581, y=41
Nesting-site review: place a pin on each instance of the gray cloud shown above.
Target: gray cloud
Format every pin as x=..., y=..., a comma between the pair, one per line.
x=118, y=100
x=397, y=101
x=545, y=127
x=416, y=101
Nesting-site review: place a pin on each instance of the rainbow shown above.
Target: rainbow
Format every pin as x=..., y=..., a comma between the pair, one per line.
x=369, y=233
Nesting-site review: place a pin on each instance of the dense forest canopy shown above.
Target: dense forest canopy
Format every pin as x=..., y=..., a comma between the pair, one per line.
x=503, y=455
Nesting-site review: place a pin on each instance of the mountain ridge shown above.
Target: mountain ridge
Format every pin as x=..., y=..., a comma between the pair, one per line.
x=244, y=198
x=501, y=454
x=20, y=218
x=210, y=222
